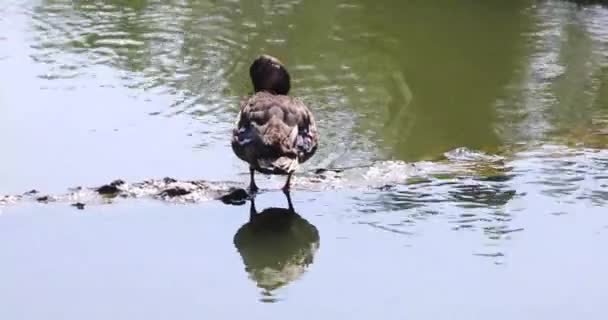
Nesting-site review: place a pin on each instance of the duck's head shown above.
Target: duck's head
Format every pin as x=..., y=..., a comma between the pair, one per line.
x=268, y=74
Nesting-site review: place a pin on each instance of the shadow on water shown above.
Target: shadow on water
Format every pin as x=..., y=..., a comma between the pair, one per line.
x=277, y=245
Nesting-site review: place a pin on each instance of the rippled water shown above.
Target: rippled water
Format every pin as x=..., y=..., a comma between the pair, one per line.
x=461, y=174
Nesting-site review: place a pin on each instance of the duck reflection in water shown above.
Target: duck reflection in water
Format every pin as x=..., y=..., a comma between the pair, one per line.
x=277, y=245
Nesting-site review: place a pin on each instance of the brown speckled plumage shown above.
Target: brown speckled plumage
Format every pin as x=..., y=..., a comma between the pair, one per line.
x=274, y=133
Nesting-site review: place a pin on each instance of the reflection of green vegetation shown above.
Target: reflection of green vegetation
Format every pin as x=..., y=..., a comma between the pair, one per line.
x=415, y=78
x=424, y=78
x=457, y=58
x=594, y=136
x=575, y=91
x=564, y=93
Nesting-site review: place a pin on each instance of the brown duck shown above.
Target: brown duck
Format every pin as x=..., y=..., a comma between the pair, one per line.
x=274, y=132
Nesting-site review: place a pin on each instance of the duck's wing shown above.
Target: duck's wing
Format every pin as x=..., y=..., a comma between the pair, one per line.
x=266, y=133
x=307, y=139
x=279, y=131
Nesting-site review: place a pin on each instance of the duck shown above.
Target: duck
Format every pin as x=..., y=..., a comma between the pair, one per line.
x=274, y=133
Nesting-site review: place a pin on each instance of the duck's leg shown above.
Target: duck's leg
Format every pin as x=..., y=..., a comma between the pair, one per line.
x=286, y=187
x=253, y=188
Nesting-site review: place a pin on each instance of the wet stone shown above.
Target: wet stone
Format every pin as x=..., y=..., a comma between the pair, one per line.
x=111, y=189
x=236, y=196
x=117, y=182
x=384, y=175
x=174, y=192
x=43, y=199
x=169, y=180
x=108, y=189
x=78, y=205
x=386, y=187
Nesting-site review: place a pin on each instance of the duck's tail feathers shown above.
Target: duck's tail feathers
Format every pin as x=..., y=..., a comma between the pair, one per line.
x=281, y=165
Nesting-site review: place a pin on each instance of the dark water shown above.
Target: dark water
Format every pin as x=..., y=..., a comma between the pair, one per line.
x=472, y=135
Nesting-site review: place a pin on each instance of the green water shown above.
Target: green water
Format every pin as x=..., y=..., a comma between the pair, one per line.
x=472, y=136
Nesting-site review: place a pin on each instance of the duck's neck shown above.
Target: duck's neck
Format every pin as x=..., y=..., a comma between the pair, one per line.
x=271, y=91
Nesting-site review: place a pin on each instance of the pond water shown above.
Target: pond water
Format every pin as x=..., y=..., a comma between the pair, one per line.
x=462, y=172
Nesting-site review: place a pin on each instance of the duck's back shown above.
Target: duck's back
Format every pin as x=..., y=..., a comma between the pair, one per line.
x=274, y=130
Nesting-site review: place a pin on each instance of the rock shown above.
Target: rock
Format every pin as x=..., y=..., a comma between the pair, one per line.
x=78, y=205
x=236, y=196
x=174, y=192
x=112, y=188
x=386, y=187
x=117, y=182
x=43, y=199
x=169, y=180
x=108, y=189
